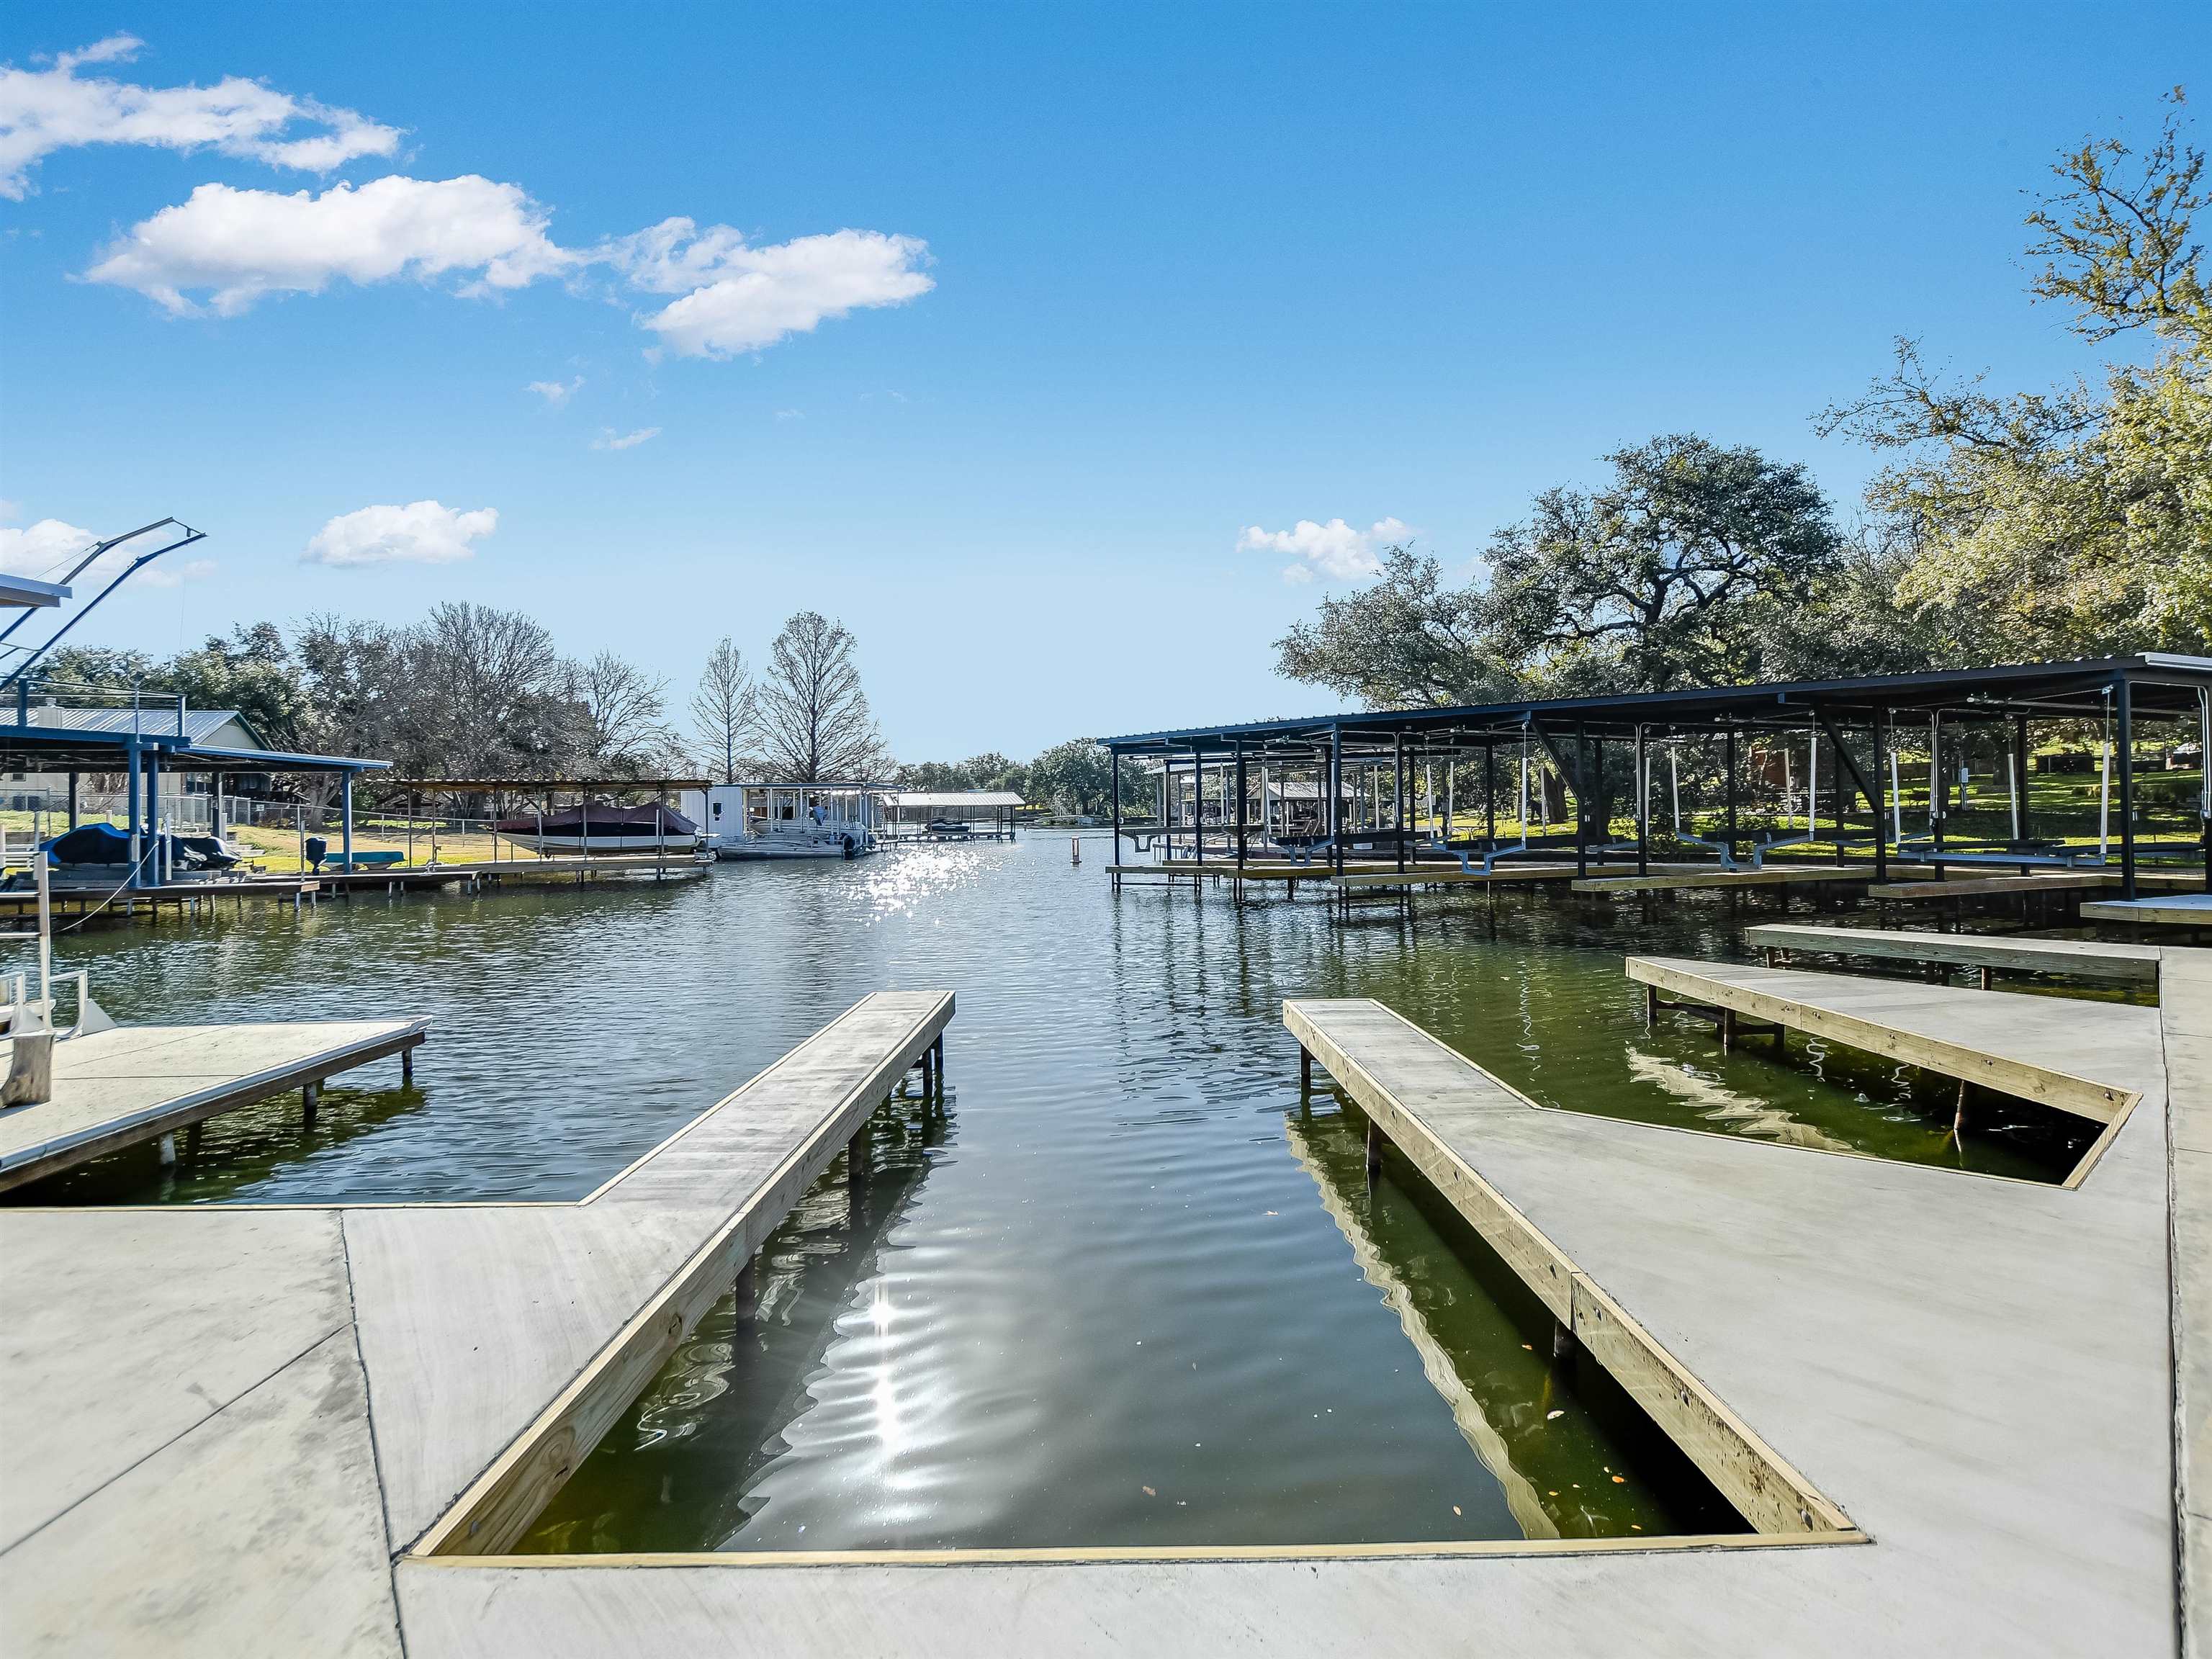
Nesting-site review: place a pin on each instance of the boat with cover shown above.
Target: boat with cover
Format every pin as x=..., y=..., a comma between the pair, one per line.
x=96, y=856
x=595, y=829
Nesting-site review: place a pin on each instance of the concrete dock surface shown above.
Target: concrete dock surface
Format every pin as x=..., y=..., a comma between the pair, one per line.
x=268, y=1431
x=224, y=1423
x=116, y=1087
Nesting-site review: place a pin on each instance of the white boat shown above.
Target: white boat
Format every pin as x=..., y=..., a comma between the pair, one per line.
x=789, y=820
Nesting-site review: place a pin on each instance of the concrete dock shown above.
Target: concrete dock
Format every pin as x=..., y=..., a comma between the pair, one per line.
x=1965, y=1413
x=228, y=1423
x=2059, y=1054
x=116, y=1087
x=2165, y=910
x=1988, y=954
x=1976, y=1370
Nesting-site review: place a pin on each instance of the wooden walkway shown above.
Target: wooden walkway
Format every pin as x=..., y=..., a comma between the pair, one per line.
x=2167, y=910
x=192, y=897
x=2057, y=1053
x=1772, y=875
x=2011, y=886
x=1976, y=1370
x=243, y=1415
x=116, y=1087
x=2078, y=958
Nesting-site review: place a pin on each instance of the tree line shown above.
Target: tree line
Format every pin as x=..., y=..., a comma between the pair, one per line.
x=2033, y=525
x=475, y=691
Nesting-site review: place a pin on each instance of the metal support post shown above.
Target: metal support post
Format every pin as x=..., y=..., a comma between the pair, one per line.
x=1241, y=782
x=1336, y=803
x=1116, y=766
x=2124, y=758
x=1881, y=799
x=1730, y=796
x=1398, y=796
x=1643, y=808
x=1582, y=800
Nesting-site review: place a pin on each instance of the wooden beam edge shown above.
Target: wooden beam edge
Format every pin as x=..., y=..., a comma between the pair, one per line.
x=2099, y=1102
x=1112, y=1554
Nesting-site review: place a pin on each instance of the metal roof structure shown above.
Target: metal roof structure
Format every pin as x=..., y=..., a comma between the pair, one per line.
x=932, y=800
x=55, y=735
x=29, y=593
x=2160, y=683
x=2116, y=694
x=198, y=724
x=540, y=786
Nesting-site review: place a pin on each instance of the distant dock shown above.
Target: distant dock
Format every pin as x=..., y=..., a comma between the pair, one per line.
x=191, y=898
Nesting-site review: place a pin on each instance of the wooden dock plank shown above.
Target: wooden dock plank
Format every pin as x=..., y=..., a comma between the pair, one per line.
x=1772, y=875
x=2054, y=1059
x=2166, y=909
x=228, y=1399
x=2070, y=881
x=2082, y=958
x=112, y=1088
x=431, y=1286
x=1958, y=1424
x=1429, y=1100
x=1445, y=875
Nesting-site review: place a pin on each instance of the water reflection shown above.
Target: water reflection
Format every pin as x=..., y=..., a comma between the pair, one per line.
x=1547, y=1431
x=694, y=1463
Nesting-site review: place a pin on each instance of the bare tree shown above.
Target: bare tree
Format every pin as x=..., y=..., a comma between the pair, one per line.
x=624, y=710
x=489, y=689
x=724, y=708
x=814, y=719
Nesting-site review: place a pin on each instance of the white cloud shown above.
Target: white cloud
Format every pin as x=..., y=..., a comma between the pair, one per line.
x=790, y=414
x=556, y=394
x=44, y=551
x=422, y=532
x=1335, y=548
x=239, y=245
x=607, y=440
x=42, y=110
x=192, y=570
x=742, y=298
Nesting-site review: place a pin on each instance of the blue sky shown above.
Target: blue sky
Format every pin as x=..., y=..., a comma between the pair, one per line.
x=1169, y=276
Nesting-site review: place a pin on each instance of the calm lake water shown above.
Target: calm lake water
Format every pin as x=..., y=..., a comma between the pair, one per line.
x=1128, y=1289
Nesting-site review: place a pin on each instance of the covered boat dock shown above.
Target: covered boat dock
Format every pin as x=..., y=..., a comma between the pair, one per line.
x=950, y=814
x=1818, y=765
x=75, y=731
